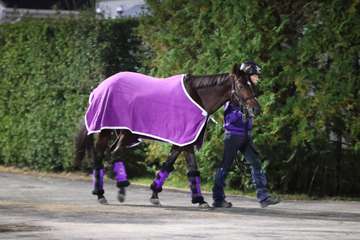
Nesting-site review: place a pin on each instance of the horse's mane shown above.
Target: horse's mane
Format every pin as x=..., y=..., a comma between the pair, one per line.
x=203, y=81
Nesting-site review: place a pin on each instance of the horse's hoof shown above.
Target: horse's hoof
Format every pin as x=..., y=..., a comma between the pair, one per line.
x=204, y=205
x=121, y=197
x=155, y=201
x=103, y=201
x=121, y=194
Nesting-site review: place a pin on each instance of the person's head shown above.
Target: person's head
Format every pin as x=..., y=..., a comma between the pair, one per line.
x=251, y=70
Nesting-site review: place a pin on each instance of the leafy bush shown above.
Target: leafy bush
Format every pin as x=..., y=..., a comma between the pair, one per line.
x=47, y=71
x=309, y=129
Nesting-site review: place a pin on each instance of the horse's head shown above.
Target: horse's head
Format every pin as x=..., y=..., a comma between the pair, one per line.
x=242, y=92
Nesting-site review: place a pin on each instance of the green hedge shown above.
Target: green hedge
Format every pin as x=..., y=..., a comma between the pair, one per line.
x=309, y=130
x=47, y=70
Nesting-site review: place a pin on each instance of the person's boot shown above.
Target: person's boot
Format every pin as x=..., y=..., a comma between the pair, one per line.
x=222, y=204
x=269, y=201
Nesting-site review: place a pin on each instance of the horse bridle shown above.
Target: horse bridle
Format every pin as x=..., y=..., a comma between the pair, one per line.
x=234, y=93
x=237, y=99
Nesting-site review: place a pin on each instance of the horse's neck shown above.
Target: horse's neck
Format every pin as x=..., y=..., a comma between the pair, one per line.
x=210, y=92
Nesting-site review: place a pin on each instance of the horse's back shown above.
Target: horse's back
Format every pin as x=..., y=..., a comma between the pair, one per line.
x=158, y=108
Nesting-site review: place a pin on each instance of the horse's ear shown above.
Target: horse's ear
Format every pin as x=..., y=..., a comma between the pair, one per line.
x=236, y=69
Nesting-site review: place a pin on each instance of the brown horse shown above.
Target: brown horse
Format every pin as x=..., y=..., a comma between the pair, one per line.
x=208, y=91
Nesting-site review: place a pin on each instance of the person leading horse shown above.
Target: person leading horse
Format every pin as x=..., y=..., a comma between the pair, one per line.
x=207, y=92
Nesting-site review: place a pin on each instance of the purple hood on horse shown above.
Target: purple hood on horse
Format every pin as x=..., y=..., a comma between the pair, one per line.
x=158, y=108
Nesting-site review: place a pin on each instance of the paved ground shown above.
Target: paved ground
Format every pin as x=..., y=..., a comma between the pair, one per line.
x=54, y=208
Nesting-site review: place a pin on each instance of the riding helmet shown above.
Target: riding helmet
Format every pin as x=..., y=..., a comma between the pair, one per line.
x=250, y=67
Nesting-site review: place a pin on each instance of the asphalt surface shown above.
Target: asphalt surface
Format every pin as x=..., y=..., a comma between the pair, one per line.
x=35, y=207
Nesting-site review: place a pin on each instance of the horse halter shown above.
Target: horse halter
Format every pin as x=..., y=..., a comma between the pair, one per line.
x=235, y=89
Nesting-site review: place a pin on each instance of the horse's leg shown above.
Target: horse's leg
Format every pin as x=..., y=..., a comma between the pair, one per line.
x=121, y=179
x=119, y=166
x=163, y=174
x=99, y=172
x=194, y=178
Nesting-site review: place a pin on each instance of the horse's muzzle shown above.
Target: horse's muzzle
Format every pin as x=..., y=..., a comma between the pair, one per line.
x=254, y=111
x=257, y=110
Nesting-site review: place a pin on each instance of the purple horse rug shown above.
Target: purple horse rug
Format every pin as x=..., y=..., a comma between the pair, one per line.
x=159, y=108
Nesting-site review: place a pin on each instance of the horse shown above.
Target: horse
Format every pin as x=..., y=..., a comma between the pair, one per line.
x=209, y=92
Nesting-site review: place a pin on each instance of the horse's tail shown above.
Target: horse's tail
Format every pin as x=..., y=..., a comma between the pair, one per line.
x=83, y=143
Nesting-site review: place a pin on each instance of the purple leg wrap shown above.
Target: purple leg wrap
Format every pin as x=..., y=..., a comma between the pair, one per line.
x=120, y=172
x=98, y=179
x=160, y=178
x=195, y=186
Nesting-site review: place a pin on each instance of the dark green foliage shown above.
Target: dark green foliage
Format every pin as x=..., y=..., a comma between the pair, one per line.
x=309, y=131
x=47, y=71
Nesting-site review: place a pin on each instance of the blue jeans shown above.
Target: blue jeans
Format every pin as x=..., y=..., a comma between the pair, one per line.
x=232, y=144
